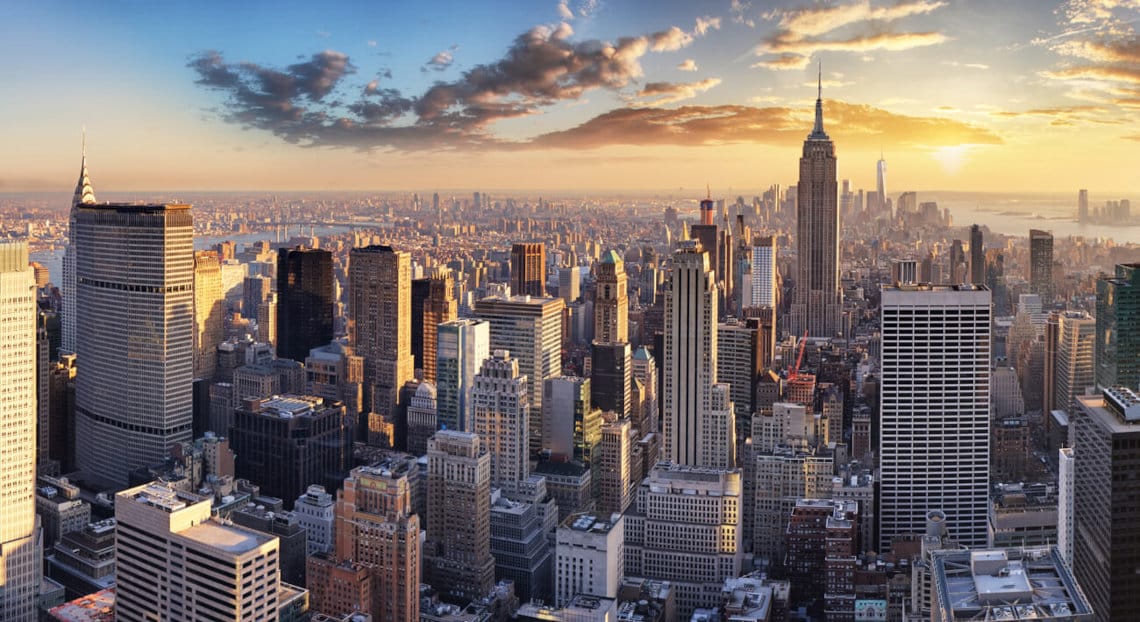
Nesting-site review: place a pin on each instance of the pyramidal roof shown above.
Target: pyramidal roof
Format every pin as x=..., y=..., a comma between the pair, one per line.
x=611, y=256
x=84, y=193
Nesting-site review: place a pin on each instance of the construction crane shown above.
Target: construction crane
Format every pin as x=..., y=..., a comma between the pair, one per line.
x=799, y=360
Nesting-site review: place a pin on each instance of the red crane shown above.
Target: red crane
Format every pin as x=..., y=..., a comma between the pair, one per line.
x=799, y=359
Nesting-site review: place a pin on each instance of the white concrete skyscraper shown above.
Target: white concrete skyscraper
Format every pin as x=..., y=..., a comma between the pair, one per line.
x=764, y=272
x=20, y=568
x=697, y=432
x=818, y=302
x=935, y=405
x=135, y=284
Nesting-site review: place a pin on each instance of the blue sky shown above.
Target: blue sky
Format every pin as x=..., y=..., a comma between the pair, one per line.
x=173, y=94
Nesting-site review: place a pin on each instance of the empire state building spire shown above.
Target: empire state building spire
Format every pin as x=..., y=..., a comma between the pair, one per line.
x=817, y=132
x=84, y=193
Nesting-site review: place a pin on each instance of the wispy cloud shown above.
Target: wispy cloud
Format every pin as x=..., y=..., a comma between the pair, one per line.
x=740, y=10
x=1099, y=51
x=859, y=126
x=688, y=65
x=802, y=32
x=441, y=61
x=784, y=62
x=665, y=93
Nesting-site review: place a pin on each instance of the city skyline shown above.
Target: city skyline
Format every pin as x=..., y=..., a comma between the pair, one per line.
x=560, y=96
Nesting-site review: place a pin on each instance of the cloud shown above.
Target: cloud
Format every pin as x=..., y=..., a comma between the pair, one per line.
x=1135, y=137
x=583, y=8
x=887, y=41
x=542, y=67
x=673, y=92
x=784, y=62
x=828, y=84
x=441, y=61
x=802, y=32
x=1099, y=51
x=820, y=20
x=954, y=63
x=1063, y=115
x=739, y=10
x=853, y=125
x=669, y=40
x=688, y=65
x=705, y=24
x=372, y=43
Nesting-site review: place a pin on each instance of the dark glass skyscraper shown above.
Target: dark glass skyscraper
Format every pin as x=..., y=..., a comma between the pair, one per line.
x=1041, y=264
x=304, y=301
x=1118, y=328
x=977, y=256
x=818, y=302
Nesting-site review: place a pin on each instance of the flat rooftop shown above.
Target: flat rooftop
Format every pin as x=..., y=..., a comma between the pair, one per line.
x=97, y=607
x=589, y=523
x=226, y=538
x=1007, y=584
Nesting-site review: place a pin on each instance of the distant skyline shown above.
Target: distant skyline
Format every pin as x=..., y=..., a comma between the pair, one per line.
x=570, y=95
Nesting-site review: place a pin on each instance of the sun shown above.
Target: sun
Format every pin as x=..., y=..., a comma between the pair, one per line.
x=951, y=157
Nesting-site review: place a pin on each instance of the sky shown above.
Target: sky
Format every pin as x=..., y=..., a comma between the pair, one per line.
x=574, y=96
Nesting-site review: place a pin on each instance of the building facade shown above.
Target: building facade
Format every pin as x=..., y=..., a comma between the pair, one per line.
x=134, y=336
x=20, y=547
x=462, y=347
x=380, y=326
x=818, y=303
x=935, y=410
x=305, y=301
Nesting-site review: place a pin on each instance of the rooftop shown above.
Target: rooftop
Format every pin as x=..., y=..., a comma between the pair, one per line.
x=589, y=523
x=165, y=497
x=225, y=537
x=1007, y=584
x=97, y=607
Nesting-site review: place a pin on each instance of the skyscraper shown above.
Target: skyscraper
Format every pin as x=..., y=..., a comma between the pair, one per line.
x=376, y=526
x=1041, y=264
x=174, y=562
x=304, y=301
x=528, y=269
x=1118, y=328
x=20, y=569
x=1070, y=340
x=692, y=432
x=1083, y=205
x=502, y=414
x=881, y=183
x=463, y=346
x=84, y=195
x=818, y=302
x=977, y=256
x=135, y=335
x=380, y=325
x=286, y=443
x=209, y=313
x=1106, y=527
x=935, y=410
x=611, y=377
x=531, y=330
x=611, y=302
x=764, y=272
x=440, y=306
x=457, y=555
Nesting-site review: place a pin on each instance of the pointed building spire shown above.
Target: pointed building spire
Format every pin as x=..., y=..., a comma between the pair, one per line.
x=817, y=131
x=84, y=193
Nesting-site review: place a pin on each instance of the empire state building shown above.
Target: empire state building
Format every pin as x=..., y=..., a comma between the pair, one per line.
x=818, y=302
